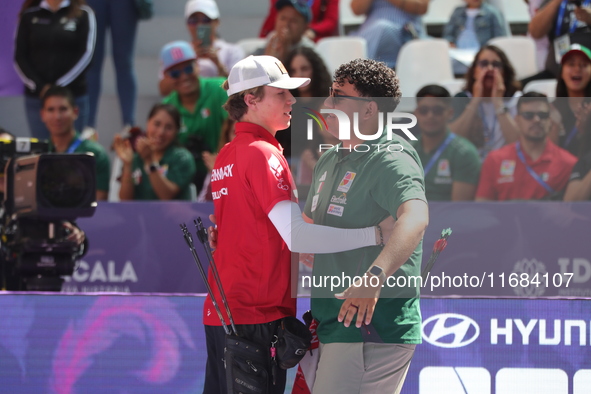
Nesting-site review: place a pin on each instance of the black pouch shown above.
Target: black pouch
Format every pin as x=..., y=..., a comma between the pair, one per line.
x=294, y=339
x=247, y=366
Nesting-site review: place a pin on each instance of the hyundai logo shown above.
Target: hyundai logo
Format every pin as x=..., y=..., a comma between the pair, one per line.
x=450, y=330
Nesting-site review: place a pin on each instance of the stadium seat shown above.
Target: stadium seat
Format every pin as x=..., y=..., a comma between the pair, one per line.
x=423, y=62
x=249, y=45
x=338, y=50
x=521, y=52
x=546, y=86
x=347, y=19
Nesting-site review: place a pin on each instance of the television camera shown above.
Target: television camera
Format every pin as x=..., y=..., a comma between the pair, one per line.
x=42, y=191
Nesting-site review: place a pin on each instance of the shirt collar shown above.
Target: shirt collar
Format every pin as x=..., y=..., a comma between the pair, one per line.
x=550, y=152
x=51, y=147
x=258, y=132
x=63, y=4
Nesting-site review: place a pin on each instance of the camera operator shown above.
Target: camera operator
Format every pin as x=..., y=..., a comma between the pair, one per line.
x=8, y=280
x=59, y=112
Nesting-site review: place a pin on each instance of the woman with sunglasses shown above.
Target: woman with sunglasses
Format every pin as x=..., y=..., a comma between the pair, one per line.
x=159, y=169
x=573, y=92
x=199, y=101
x=485, y=114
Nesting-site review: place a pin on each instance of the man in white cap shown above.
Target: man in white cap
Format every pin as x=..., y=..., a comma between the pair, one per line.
x=215, y=57
x=259, y=221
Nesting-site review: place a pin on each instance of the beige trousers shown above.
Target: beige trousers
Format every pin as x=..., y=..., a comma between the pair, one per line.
x=359, y=368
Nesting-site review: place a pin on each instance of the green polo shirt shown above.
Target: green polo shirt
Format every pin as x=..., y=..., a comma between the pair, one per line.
x=359, y=190
x=103, y=165
x=177, y=165
x=207, y=117
x=458, y=162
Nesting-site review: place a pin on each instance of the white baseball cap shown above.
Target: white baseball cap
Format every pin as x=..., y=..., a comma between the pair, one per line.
x=257, y=71
x=208, y=7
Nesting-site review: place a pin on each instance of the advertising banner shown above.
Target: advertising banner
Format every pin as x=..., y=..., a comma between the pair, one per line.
x=68, y=344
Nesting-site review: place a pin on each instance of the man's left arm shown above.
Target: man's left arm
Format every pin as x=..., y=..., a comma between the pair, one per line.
x=413, y=218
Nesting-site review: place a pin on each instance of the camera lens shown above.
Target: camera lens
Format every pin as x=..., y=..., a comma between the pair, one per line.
x=63, y=183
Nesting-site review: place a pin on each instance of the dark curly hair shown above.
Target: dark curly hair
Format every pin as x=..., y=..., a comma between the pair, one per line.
x=511, y=84
x=320, y=81
x=371, y=79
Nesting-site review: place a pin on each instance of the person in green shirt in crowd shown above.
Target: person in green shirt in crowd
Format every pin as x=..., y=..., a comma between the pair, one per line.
x=451, y=162
x=160, y=170
x=59, y=112
x=199, y=101
x=358, y=183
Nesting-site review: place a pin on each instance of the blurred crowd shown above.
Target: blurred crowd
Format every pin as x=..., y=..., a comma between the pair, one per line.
x=494, y=140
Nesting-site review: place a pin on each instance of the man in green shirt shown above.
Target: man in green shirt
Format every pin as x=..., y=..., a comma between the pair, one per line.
x=451, y=162
x=359, y=183
x=59, y=112
x=199, y=100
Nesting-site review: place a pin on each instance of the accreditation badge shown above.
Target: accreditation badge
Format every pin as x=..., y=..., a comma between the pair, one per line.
x=561, y=46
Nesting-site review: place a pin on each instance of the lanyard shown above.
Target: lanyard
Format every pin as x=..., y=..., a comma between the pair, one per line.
x=570, y=137
x=531, y=171
x=573, y=23
x=74, y=145
x=489, y=132
x=438, y=152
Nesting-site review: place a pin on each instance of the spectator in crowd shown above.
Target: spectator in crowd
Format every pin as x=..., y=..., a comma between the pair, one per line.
x=563, y=22
x=293, y=18
x=325, y=19
x=199, y=101
x=473, y=24
x=159, y=169
x=54, y=46
x=542, y=44
x=214, y=55
x=533, y=168
x=389, y=25
x=304, y=62
x=451, y=163
x=228, y=134
x=484, y=116
x=121, y=18
x=258, y=218
x=574, y=103
x=579, y=184
x=59, y=113
x=363, y=187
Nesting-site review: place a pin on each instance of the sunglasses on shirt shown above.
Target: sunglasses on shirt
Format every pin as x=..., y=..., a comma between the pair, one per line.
x=486, y=63
x=529, y=115
x=176, y=74
x=437, y=110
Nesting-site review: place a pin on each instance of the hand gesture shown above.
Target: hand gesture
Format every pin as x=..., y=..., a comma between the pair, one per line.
x=582, y=115
x=583, y=14
x=478, y=87
x=360, y=299
x=307, y=259
x=75, y=234
x=123, y=149
x=209, y=159
x=498, y=89
x=144, y=149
